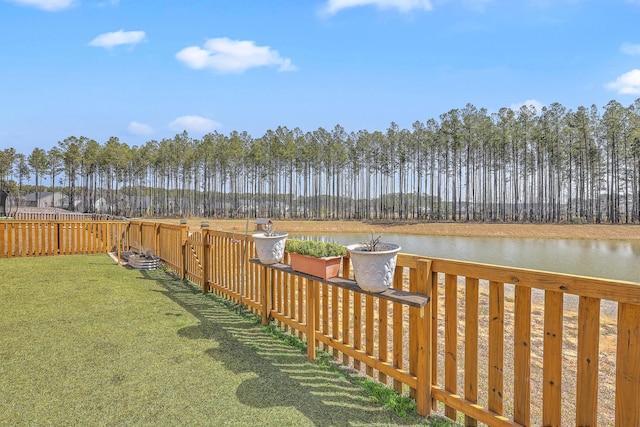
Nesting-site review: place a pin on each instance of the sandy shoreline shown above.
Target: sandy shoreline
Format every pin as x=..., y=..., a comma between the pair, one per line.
x=543, y=231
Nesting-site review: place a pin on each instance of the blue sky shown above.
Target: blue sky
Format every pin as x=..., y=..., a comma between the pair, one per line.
x=148, y=69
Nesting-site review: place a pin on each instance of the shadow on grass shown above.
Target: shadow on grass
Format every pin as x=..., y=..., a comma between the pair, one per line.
x=274, y=373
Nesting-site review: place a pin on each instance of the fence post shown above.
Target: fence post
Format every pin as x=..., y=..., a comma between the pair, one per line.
x=57, y=249
x=156, y=238
x=423, y=364
x=118, y=242
x=206, y=253
x=183, y=242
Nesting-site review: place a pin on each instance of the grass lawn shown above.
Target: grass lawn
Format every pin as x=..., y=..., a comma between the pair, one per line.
x=86, y=342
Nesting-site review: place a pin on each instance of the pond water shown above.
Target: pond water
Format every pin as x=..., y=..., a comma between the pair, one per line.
x=609, y=259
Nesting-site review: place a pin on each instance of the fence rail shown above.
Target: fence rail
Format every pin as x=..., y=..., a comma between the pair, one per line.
x=495, y=345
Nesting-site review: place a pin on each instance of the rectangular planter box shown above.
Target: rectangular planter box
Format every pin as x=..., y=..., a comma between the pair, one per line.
x=325, y=268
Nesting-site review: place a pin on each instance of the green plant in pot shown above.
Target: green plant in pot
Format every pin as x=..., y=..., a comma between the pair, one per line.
x=321, y=259
x=374, y=264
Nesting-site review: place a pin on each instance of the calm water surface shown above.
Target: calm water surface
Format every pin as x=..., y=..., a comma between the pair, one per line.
x=610, y=259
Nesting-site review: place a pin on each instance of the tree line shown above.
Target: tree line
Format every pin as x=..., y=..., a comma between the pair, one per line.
x=548, y=166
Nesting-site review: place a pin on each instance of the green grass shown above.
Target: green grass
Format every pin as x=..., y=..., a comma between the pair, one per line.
x=86, y=342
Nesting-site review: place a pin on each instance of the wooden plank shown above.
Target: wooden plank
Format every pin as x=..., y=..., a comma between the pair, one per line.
x=552, y=359
x=31, y=231
x=40, y=238
x=451, y=339
x=346, y=328
x=398, y=333
x=50, y=238
x=357, y=326
x=396, y=295
x=423, y=321
x=77, y=229
x=227, y=270
x=316, y=310
x=434, y=333
x=628, y=366
x=383, y=338
x=522, y=356
x=622, y=291
x=34, y=239
x=302, y=297
x=496, y=346
x=369, y=331
x=361, y=357
x=65, y=241
x=346, y=310
x=291, y=323
x=265, y=278
x=473, y=409
x=413, y=326
x=588, y=361
x=237, y=249
x=11, y=239
x=311, y=317
x=471, y=319
x=277, y=293
x=23, y=249
x=3, y=239
x=325, y=311
x=335, y=317
x=206, y=257
x=291, y=307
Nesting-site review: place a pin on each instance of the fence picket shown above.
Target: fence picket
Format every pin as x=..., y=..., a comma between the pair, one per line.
x=522, y=356
x=552, y=359
x=628, y=366
x=588, y=359
x=451, y=339
x=471, y=345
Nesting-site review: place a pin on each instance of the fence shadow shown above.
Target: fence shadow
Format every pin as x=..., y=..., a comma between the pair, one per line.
x=272, y=373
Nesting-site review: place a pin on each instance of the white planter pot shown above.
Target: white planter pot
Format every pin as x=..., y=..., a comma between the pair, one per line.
x=374, y=270
x=270, y=249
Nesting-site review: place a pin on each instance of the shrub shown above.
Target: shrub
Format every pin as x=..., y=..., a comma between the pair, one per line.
x=314, y=248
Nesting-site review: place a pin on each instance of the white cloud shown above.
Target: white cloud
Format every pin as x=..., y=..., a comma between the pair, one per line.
x=48, y=5
x=630, y=49
x=117, y=38
x=529, y=102
x=627, y=84
x=334, y=6
x=232, y=56
x=193, y=124
x=137, y=128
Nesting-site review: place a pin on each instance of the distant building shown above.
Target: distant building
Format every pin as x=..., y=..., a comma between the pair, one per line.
x=47, y=199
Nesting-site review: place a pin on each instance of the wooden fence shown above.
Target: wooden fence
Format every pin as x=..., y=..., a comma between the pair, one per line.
x=495, y=345
x=40, y=238
x=506, y=346
x=56, y=214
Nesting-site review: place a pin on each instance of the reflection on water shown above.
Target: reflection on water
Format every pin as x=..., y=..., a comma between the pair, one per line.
x=610, y=259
